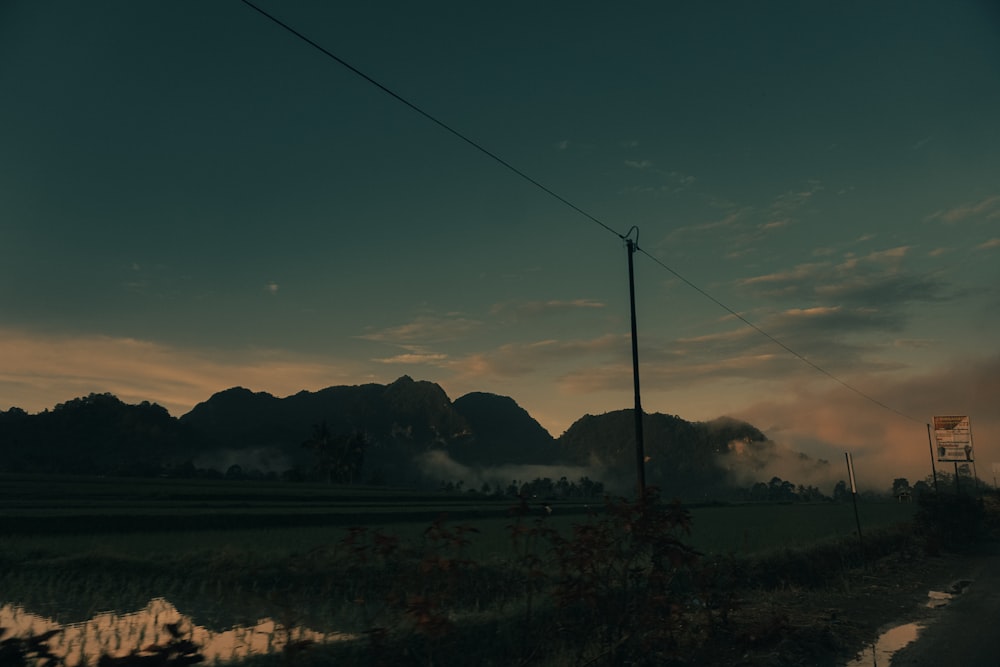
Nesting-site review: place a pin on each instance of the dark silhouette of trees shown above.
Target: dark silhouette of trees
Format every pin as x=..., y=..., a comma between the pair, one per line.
x=337, y=458
x=781, y=491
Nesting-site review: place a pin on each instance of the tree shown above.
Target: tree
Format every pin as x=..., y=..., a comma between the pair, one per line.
x=321, y=444
x=338, y=458
x=840, y=492
x=901, y=487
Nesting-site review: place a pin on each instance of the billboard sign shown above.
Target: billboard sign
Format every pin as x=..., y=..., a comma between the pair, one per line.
x=954, y=438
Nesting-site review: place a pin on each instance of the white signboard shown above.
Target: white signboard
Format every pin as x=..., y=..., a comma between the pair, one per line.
x=953, y=434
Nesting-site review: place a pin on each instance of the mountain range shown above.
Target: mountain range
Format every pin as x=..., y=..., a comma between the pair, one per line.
x=412, y=434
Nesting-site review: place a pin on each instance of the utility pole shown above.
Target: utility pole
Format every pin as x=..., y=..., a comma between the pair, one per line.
x=640, y=455
x=933, y=467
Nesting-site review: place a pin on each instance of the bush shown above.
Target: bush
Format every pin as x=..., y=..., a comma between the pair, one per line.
x=950, y=521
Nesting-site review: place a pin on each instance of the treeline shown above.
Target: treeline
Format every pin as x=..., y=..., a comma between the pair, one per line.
x=781, y=491
x=540, y=488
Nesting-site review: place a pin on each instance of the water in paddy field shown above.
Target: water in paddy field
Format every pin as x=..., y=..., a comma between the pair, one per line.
x=158, y=624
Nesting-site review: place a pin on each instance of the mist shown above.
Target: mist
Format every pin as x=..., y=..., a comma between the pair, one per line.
x=438, y=465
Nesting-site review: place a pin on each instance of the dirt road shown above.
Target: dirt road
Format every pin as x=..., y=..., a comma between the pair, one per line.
x=964, y=632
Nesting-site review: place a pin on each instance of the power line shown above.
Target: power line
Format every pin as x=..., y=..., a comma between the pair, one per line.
x=479, y=147
x=776, y=341
x=634, y=245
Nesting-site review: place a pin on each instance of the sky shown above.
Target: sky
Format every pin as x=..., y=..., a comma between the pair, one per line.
x=192, y=198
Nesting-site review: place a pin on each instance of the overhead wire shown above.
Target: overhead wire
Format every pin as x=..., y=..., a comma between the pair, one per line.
x=510, y=167
x=775, y=340
x=445, y=126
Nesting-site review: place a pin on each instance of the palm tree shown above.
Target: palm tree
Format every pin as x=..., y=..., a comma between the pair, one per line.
x=338, y=458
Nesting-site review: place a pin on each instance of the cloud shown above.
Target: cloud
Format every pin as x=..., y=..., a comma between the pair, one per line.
x=892, y=291
x=413, y=358
x=748, y=463
x=536, y=308
x=425, y=329
x=518, y=359
x=730, y=221
x=989, y=207
x=638, y=164
x=774, y=224
x=783, y=209
x=436, y=464
x=38, y=370
x=272, y=288
x=989, y=245
x=890, y=255
x=826, y=336
x=793, y=275
x=827, y=422
x=749, y=224
x=875, y=280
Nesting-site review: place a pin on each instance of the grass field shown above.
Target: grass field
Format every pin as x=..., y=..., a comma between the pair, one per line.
x=232, y=552
x=137, y=517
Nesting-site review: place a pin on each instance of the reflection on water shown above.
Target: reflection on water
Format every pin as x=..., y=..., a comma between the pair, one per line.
x=896, y=638
x=887, y=645
x=118, y=634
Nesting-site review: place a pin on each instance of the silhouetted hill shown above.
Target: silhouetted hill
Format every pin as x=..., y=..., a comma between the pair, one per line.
x=501, y=432
x=410, y=430
x=684, y=459
x=97, y=434
x=399, y=421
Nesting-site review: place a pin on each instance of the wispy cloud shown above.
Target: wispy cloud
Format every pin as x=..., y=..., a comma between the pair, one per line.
x=989, y=245
x=731, y=220
x=534, y=308
x=415, y=358
x=875, y=279
x=425, y=329
x=517, y=359
x=774, y=224
x=988, y=208
x=638, y=164
x=785, y=207
x=794, y=274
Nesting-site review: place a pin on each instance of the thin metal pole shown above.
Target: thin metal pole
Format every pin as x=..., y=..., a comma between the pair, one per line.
x=640, y=455
x=854, y=497
x=933, y=468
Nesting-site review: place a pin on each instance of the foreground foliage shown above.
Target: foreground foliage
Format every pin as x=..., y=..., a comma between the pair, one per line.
x=622, y=587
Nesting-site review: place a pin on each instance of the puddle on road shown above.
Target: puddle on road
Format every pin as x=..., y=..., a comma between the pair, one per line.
x=881, y=652
x=894, y=639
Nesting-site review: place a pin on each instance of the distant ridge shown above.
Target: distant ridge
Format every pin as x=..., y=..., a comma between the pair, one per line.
x=402, y=423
